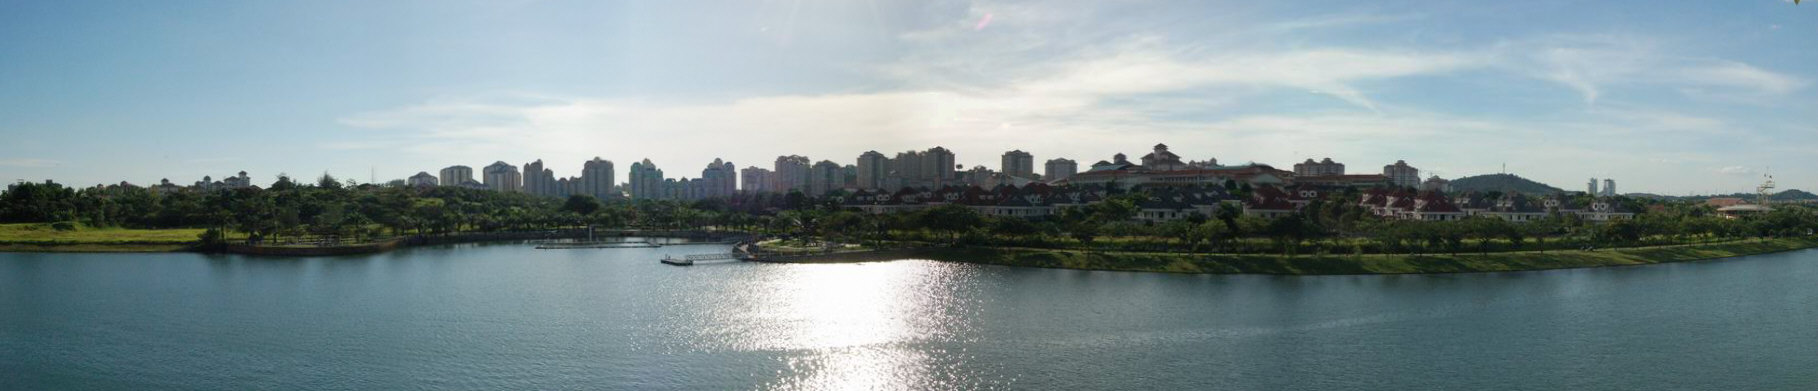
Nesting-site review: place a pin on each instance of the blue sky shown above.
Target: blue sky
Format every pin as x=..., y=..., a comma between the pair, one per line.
x=1663, y=96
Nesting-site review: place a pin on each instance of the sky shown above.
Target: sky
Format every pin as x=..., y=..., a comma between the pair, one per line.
x=1670, y=97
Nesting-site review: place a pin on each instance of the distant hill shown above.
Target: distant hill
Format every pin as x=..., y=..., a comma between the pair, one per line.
x=1788, y=195
x=1794, y=195
x=1502, y=182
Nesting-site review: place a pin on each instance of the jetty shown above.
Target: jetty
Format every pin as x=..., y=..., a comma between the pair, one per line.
x=582, y=245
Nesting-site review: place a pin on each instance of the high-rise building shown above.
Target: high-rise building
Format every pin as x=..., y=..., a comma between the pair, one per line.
x=1591, y=187
x=422, y=179
x=1160, y=159
x=1058, y=169
x=646, y=181
x=1325, y=167
x=1401, y=174
x=539, y=180
x=502, y=177
x=718, y=180
x=1435, y=183
x=456, y=175
x=907, y=168
x=873, y=167
x=791, y=174
x=938, y=166
x=1609, y=187
x=1018, y=164
x=824, y=177
x=979, y=176
x=756, y=180
x=596, y=179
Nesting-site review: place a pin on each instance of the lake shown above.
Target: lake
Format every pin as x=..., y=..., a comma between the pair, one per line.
x=507, y=316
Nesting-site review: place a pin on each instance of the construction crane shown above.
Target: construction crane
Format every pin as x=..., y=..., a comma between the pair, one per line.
x=1761, y=192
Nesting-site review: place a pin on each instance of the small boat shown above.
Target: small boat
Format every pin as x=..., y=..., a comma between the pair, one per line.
x=677, y=261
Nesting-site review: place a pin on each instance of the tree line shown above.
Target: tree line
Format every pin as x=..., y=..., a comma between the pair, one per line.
x=289, y=211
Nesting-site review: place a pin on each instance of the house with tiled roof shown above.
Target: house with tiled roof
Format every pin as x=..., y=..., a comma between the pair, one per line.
x=1030, y=201
x=1472, y=202
x=1605, y=210
x=1561, y=203
x=1162, y=160
x=1362, y=181
x=1515, y=207
x=1162, y=206
x=1433, y=206
x=1269, y=202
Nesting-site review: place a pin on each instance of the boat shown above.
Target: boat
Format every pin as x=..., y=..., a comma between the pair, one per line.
x=676, y=261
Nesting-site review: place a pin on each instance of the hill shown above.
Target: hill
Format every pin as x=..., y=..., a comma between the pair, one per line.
x=1502, y=182
x=1788, y=195
x=1794, y=195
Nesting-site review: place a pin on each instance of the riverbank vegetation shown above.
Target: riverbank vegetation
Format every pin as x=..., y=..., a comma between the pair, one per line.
x=1361, y=263
x=332, y=212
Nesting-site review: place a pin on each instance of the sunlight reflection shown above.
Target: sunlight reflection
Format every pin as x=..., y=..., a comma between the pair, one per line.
x=855, y=322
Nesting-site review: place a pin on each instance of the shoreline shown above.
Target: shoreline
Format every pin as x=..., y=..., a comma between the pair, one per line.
x=1368, y=264
x=1178, y=263
x=62, y=246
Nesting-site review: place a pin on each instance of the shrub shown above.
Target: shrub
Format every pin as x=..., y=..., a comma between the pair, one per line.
x=63, y=226
x=212, y=237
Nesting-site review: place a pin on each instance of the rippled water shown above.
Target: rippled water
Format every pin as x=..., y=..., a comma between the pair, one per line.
x=505, y=316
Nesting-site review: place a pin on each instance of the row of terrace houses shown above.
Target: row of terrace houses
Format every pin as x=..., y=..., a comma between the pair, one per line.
x=1515, y=207
x=1167, y=203
x=1037, y=200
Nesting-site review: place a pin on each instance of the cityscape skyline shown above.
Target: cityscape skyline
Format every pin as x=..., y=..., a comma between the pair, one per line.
x=929, y=170
x=1677, y=98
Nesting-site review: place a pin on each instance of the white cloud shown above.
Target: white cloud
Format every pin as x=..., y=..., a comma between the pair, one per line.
x=1742, y=76
x=1591, y=64
x=1149, y=67
x=29, y=163
x=1030, y=81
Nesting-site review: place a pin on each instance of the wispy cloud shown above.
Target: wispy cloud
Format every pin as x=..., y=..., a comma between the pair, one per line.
x=1591, y=64
x=29, y=163
x=1735, y=170
x=1035, y=80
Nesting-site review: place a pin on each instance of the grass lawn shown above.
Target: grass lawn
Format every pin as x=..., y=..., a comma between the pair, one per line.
x=43, y=234
x=1364, y=264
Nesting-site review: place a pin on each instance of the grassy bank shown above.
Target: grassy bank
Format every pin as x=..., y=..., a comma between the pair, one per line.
x=45, y=238
x=1362, y=264
x=92, y=248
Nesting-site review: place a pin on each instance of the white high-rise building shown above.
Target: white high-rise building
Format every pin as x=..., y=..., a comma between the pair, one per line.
x=539, y=180
x=1058, y=169
x=1609, y=187
x=791, y=174
x=1401, y=174
x=597, y=179
x=1591, y=187
x=1325, y=167
x=824, y=177
x=646, y=181
x=502, y=177
x=938, y=166
x=718, y=180
x=756, y=180
x=1018, y=164
x=422, y=179
x=456, y=175
x=873, y=167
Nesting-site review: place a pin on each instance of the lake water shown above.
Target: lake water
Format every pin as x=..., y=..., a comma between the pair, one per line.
x=506, y=316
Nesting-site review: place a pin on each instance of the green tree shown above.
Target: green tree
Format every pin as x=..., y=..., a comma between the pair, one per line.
x=581, y=204
x=951, y=219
